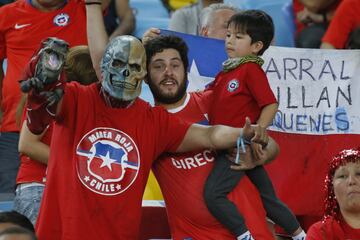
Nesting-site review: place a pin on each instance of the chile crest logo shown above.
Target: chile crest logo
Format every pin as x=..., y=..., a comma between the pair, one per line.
x=108, y=161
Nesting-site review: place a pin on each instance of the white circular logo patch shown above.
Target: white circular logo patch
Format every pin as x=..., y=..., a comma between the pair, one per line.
x=108, y=161
x=233, y=85
x=61, y=19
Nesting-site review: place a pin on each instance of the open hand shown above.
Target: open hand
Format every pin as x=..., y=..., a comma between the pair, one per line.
x=151, y=33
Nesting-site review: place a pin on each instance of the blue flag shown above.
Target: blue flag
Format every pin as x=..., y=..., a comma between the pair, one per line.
x=207, y=53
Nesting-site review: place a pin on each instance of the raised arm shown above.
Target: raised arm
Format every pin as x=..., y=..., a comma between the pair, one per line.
x=31, y=145
x=96, y=33
x=44, y=84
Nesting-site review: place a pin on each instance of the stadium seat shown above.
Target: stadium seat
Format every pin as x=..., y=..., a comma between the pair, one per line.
x=148, y=9
x=142, y=24
x=6, y=202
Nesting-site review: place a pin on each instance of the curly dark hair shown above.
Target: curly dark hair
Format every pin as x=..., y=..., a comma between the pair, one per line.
x=17, y=219
x=159, y=44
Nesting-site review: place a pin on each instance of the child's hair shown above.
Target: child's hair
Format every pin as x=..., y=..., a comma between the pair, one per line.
x=257, y=24
x=78, y=66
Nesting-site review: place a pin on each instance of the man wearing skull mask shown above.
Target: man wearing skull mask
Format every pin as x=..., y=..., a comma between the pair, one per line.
x=104, y=142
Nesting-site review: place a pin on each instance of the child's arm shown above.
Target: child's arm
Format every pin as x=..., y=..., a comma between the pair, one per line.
x=267, y=115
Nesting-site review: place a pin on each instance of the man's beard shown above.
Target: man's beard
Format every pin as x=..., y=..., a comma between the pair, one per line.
x=167, y=98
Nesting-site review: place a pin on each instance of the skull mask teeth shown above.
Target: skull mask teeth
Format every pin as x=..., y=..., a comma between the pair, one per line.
x=51, y=60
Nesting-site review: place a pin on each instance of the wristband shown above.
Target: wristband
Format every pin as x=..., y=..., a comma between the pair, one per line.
x=240, y=143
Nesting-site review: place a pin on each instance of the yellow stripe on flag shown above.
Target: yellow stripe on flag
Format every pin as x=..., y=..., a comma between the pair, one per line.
x=152, y=189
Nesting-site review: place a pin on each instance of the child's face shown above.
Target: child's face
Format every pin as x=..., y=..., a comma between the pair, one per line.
x=238, y=44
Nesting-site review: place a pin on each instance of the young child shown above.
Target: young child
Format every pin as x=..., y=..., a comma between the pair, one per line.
x=242, y=90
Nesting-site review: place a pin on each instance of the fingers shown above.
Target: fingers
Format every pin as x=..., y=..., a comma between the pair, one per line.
x=243, y=166
x=150, y=34
x=248, y=130
x=261, y=136
x=246, y=160
x=258, y=154
x=37, y=84
x=52, y=97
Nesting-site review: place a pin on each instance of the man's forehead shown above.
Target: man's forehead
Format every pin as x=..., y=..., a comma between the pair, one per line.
x=166, y=55
x=5, y=225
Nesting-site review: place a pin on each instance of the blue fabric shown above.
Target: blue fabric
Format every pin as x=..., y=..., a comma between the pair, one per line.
x=9, y=161
x=202, y=49
x=27, y=201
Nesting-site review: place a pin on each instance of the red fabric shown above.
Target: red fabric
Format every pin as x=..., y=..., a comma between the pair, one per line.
x=85, y=195
x=31, y=170
x=182, y=178
x=18, y=45
x=305, y=169
x=298, y=7
x=346, y=19
x=154, y=223
x=232, y=103
x=332, y=230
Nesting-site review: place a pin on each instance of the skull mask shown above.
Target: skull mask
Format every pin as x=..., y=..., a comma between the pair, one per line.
x=123, y=67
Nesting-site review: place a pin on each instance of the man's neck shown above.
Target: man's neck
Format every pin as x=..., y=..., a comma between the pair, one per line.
x=57, y=4
x=170, y=106
x=113, y=102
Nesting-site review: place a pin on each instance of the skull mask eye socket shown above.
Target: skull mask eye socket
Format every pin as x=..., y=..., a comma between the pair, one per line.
x=135, y=67
x=116, y=63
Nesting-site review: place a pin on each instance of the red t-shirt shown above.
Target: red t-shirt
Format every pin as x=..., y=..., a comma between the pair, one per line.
x=99, y=163
x=31, y=170
x=182, y=178
x=345, y=20
x=332, y=230
x=22, y=28
x=240, y=93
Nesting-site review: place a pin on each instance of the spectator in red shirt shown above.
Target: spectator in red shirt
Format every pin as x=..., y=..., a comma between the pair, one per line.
x=346, y=20
x=312, y=18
